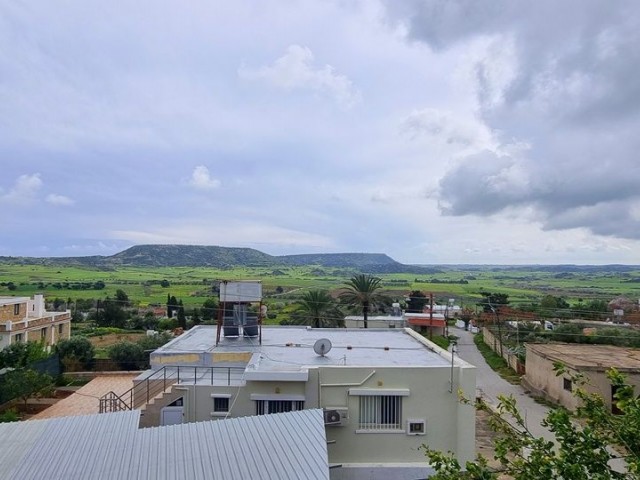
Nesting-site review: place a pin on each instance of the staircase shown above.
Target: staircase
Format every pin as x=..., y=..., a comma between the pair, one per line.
x=158, y=381
x=151, y=412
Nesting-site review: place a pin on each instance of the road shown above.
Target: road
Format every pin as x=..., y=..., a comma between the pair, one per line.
x=490, y=385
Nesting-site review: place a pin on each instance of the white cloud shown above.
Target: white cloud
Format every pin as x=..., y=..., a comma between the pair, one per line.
x=201, y=179
x=60, y=200
x=24, y=190
x=295, y=70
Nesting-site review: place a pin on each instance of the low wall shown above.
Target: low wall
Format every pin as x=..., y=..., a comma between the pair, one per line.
x=494, y=344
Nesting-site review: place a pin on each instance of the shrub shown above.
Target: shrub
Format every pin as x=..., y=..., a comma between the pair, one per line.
x=9, y=416
x=154, y=341
x=128, y=355
x=167, y=324
x=75, y=352
x=19, y=355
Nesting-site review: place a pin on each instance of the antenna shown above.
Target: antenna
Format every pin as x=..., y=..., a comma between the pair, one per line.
x=322, y=346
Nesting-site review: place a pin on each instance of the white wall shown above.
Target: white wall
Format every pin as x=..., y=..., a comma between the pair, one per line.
x=450, y=425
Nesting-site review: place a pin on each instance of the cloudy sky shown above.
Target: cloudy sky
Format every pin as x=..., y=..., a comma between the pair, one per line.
x=452, y=131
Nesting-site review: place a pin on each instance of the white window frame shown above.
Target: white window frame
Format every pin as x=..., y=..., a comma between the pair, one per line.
x=374, y=411
x=417, y=421
x=297, y=402
x=220, y=413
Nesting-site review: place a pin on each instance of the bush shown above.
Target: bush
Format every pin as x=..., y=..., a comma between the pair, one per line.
x=128, y=355
x=9, y=416
x=167, y=324
x=154, y=341
x=19, y=355
x=75, y=352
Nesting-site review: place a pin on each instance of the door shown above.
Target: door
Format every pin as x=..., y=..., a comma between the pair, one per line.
x=171, y=415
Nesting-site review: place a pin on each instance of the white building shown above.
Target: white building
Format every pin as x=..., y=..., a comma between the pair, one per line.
x=24, y=319
x=384, y=392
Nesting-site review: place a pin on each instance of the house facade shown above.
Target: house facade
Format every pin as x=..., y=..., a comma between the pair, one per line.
x=24, y=319
x=384, y=392
x=592, y=361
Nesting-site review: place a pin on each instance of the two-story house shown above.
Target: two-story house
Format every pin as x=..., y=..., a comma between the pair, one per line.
x=24, y=319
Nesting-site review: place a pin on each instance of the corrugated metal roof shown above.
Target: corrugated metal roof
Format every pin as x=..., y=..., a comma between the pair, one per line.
x=90, y=446
x=285, y=446
x=110, y=446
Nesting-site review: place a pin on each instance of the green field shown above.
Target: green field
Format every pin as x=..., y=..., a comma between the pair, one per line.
x=194, y=285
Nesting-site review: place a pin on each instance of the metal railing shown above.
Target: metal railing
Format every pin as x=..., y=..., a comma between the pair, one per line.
x=158, y=381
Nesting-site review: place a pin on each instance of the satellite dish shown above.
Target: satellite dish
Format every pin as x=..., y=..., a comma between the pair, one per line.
x=322, y=346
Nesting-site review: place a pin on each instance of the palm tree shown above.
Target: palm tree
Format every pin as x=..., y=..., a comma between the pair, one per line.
x=362, y=290
x=319, y=307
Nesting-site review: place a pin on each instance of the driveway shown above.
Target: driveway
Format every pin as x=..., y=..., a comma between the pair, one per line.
x=490, y=385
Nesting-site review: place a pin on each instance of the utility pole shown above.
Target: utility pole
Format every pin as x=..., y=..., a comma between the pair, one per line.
x=495, y=311
x=453, y=341
x=430, y=316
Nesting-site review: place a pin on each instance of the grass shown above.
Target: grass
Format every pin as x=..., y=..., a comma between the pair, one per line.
x=442, y=342
x=193, y=285
x=495, y=361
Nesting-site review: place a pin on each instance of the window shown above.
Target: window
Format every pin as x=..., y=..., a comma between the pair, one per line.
x=43, y=333
x=16, y=309
x=18, y=337
x=416, y=427
x=264, y=407
x=614, y=400
x=380, y=412
x=220, y=404
x=61, y=329
x=567, y=384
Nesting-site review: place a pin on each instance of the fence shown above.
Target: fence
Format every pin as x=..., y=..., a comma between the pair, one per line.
x=49, y=365
x=511, y=358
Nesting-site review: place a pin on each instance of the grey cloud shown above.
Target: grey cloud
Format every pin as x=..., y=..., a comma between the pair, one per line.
x=560, y=78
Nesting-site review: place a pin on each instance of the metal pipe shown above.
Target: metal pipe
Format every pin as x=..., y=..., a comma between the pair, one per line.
x=349, y=384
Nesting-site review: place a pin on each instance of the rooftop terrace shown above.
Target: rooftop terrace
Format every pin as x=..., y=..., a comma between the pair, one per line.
x=290, y=349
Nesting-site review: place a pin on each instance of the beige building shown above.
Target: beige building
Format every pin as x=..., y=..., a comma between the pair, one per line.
x=384, y=392
x=427, y=323
x=24, y=319
x=592, y=361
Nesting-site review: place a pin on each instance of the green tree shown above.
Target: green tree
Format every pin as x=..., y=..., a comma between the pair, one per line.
x=319, y=309
x=182, y=318
x=165, y=283
x=172, y=305
x=128, y=355
x=122, y=298
x=57, y=303
x=580, y=451
x=362, y=291
x=490, y=301
x=25, y=383
x=195, y=317
x=111, y=314
x=21, y=355
x=152, y=342
x=76, y=352
x=209, y=309
x=417, y=301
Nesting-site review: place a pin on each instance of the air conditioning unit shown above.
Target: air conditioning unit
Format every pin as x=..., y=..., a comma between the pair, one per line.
x=336, y=417
x=416, y=427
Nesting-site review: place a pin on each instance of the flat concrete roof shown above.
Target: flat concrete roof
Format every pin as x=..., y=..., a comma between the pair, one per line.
x=290, y=349
x=589, y=357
